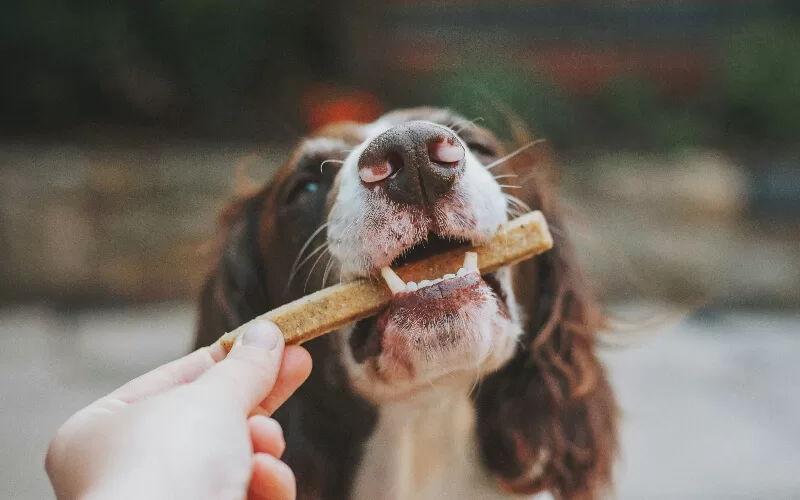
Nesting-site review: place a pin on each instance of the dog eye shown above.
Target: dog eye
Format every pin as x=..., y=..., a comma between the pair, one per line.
x=303, y=188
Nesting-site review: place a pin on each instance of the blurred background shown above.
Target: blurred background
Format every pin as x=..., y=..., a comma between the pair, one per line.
x=675, y=124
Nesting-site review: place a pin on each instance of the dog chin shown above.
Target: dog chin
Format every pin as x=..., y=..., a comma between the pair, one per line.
x=448, y=333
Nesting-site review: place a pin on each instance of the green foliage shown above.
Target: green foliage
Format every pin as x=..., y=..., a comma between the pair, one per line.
x=69, y=57
x=633, y=107
x=675, y=130
x=190, y=61
x=493, y=94
x=629, y=102
x=759, y=81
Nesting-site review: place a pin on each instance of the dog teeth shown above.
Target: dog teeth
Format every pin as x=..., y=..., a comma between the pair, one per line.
x=471, y=261
x=397, y=285
x=393, y=281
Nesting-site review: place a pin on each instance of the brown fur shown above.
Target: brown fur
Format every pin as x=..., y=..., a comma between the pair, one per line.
x=554, y=393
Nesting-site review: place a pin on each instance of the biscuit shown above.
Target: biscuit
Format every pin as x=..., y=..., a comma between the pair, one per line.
x=334, y=307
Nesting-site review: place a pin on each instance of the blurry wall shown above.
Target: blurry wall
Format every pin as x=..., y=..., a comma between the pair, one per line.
x=676, y=124
x=103, y=224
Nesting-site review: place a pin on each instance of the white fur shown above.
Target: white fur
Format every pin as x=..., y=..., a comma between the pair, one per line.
x=367, y=230
x=321, y=144
x=489, y=340
x=481, y=197
x=425, y=448
x=355, y=217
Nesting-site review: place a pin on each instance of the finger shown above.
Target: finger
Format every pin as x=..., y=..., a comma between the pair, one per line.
x=178, y=372
x=249, y=371
x=272, y=479
x=295, y=369
x=217, y=351
x=267, y=435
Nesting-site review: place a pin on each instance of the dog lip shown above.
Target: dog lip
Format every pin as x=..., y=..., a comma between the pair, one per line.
x=366, y=341
x=428, y=306
x=438, y=294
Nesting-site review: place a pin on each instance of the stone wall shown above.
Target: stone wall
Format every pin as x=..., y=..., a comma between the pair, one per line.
x=682, y=228
x=126, y=223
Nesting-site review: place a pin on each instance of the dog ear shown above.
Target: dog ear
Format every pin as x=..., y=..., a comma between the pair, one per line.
x=546, y=420
x=236, y=289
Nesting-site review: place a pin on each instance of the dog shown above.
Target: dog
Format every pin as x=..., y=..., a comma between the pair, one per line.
x=468, y=386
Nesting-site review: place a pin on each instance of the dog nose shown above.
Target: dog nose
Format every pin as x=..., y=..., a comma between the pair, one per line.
x=417, y=161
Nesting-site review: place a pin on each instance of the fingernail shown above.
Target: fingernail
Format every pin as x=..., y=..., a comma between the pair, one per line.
x=261, y=334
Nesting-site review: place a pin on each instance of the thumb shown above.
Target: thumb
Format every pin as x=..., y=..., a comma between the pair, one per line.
x=249, y=371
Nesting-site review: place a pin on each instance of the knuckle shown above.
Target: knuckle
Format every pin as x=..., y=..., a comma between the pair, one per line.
x=252, y=366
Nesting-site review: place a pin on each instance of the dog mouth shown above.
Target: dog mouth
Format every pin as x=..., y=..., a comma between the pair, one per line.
x=421, y=315
x=398, y=286
x=431, y=245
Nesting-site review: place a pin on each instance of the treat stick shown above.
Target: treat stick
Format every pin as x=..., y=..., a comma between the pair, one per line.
x=340, y=305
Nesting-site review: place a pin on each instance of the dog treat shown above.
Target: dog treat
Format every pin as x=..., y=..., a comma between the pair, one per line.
x=340, y=305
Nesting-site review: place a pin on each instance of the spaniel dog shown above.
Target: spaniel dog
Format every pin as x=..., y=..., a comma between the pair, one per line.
x=467, y=387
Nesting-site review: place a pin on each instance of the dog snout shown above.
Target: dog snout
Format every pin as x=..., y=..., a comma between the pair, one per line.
x=417, y=162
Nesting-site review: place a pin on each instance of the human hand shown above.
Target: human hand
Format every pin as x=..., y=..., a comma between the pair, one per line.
x=196, y=428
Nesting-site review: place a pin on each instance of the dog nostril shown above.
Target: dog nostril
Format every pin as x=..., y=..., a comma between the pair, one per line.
x=415, y=163
x=395, y=161
x=445, y=152
x=380, y=171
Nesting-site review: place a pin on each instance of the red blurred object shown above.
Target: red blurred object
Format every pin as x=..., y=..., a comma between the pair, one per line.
x=584, y=71
x=326, y=104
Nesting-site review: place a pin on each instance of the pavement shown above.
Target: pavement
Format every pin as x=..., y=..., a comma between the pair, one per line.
x=711, y=403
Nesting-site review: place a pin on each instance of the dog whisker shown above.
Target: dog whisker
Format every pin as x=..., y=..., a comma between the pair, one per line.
x=516, y=205
x=477, y=380
x=516, y=201
x=510, y=186
x=513, y=213
x=329, y=161
x=328, y=268
x=311, y=271
x=513, y=154
x=323, y=246
x=505, y=176
x=305, y=246
x=517, y=209
x=464, y=124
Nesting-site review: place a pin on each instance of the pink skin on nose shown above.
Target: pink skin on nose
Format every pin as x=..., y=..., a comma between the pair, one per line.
x=375, y=173
x=441, y=152
x=444, y=152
